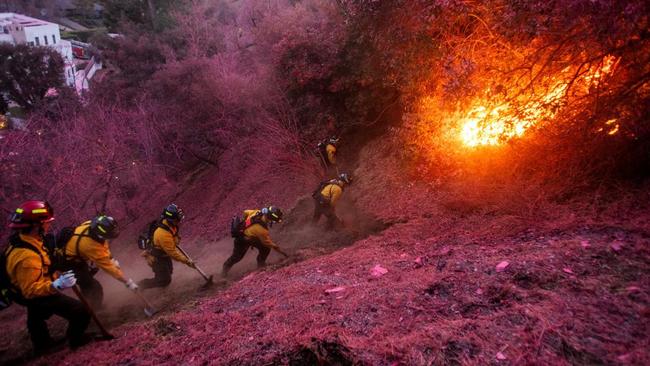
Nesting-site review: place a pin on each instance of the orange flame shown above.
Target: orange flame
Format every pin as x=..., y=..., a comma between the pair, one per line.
x=489, y=124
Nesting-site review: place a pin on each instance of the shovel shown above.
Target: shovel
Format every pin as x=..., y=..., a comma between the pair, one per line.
x=149, y=310
x=208, y=280
x=106, y=335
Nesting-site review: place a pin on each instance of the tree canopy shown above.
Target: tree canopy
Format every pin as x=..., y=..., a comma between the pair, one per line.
x=26, y=73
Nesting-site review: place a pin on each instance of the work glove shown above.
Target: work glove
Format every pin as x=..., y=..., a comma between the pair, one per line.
x=131, y=285
x=66, y=280
x=151, y=260
x=115, y=262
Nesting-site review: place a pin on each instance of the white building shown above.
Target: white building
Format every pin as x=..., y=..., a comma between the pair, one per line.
x=21, y=29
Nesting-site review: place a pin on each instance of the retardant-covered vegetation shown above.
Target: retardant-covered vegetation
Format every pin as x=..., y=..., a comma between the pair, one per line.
x=513, y=112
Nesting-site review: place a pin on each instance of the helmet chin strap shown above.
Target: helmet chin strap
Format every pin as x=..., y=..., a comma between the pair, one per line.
x=41, y=231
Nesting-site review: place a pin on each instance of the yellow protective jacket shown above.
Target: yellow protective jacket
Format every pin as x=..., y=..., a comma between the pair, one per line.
x=83, y=247
x=28, y=272
x=331, y=153
x=168, y=242
x=257, y=231
x=332, y=192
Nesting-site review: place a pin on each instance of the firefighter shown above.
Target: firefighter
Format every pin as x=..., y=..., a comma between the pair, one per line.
x=88, y=250
x=28, y=269
x=165, y=248
x=254, y=232
x=326, y=197
x=327, y=150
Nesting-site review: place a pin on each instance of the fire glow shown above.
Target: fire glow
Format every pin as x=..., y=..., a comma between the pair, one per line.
x=495, y=123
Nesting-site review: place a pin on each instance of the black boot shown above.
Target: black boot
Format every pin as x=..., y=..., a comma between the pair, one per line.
x=50, y=346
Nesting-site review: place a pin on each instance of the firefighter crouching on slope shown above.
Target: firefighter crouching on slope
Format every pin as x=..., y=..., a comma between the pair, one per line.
x=88, y=250
x=326, y=198
x=164, y=249
x=28, y=270
x=253, y=231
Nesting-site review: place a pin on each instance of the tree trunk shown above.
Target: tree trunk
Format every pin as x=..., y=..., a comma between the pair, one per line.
x=152, y=12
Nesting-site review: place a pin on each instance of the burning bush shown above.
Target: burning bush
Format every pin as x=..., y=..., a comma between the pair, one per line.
x=503, y=89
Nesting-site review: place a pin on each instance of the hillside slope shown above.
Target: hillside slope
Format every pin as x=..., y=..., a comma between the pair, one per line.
x=431, y=288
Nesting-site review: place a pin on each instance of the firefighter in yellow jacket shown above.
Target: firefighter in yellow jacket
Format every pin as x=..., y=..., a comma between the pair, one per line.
x=88, y=250
x=327, y=196
x=32, y=284
x=253, y=231
x=165, y=248
x=327, y=150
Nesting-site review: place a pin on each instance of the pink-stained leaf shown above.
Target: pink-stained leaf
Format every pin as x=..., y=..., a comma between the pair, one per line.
x=633, y=289
x=248, y=277
x=567, y=270
x=500, y=356
x=502, y=266
x=584, y=243
x=445, y=251
x=624, y=357
x=335, y=289
x=419, y=261
x=617, y=246
x=479, y=291
x=378, y=271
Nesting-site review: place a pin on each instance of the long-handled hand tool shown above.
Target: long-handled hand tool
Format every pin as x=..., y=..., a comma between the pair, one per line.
x=208, y=280
x=148, y=309
x=281, y=252
x=105, y=333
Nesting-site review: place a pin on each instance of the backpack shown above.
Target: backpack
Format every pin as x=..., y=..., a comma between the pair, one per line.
x=317, y=195
x=322, y=150
x=238, y=226
x=55, y=246
x=8, y=292
x=145, y=240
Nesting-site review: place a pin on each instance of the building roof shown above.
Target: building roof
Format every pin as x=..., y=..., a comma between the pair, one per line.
x=23, y=20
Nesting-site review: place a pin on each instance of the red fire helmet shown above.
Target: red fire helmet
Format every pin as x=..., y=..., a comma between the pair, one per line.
x=30, y=213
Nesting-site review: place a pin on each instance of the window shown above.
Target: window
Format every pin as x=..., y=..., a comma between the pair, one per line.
x=45, y=39
x=31, y=43
x=53, y=39
x=38, y=42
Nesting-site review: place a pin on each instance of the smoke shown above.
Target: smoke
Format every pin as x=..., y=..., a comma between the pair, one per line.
x=297, y=235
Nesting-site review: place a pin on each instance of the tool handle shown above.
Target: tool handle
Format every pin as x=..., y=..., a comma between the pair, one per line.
x=205, y=276
x=148, y=309
x=195, y=266
x=83, y=300
x=281, y=252
x=144, y=299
